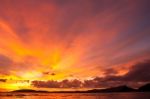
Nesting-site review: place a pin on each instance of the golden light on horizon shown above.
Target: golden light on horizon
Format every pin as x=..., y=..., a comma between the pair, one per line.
x=15, y=85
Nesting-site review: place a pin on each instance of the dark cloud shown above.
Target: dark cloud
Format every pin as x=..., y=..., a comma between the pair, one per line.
x=49, y=73
x=3, y=80
x=53, y=74
x=139, y=72
x=46, y=73
x=110, y=71
x=56, y=84
x=46, y=84
x=96, y=82
x=93, y=83
x=71, y=84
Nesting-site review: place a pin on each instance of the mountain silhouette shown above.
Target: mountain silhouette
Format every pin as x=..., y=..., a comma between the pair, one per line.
x=145, y=88
x=114, y=89
x=29, y=90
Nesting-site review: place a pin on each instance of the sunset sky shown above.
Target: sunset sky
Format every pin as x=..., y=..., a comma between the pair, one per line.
x=74, y=43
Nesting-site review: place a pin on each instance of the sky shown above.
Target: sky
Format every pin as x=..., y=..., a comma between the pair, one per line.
x=74, y=43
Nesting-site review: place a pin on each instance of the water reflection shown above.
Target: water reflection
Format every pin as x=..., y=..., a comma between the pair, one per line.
x=75, y=95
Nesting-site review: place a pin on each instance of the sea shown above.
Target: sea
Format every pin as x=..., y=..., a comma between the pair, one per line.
x=134, y=95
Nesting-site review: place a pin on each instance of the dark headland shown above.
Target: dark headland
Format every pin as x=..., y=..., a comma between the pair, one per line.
x=30, y=90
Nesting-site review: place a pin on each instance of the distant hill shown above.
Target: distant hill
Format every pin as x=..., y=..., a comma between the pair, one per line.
x=145, y=88
x=29, y=90
x=114, y=89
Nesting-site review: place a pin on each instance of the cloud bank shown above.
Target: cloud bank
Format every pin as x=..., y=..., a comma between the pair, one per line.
x=138, y=73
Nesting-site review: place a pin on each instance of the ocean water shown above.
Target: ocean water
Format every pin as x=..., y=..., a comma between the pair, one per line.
x=75, y=95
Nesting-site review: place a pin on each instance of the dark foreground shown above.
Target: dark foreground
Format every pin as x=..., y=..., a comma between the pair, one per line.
x=135, y=95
